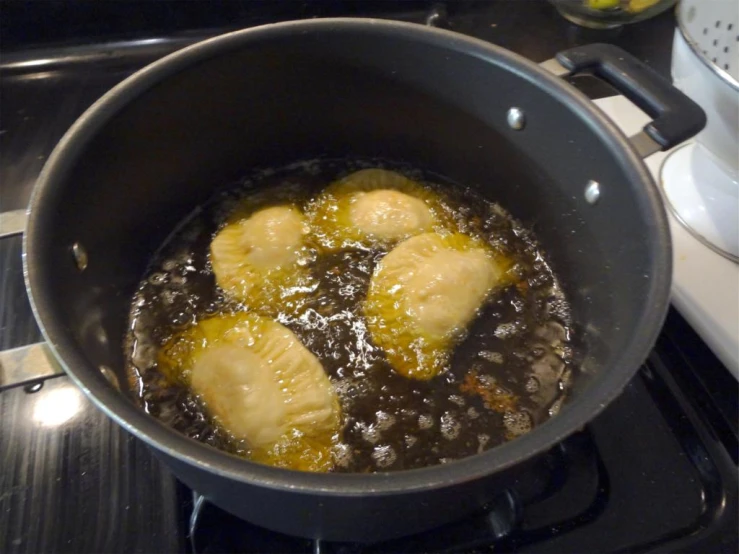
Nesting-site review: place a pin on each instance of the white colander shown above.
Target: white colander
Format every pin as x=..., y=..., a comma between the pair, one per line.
x=713, y=27
x=701, y=179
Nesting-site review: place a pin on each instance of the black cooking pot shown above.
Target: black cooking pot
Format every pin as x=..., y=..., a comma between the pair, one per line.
x=153, y=148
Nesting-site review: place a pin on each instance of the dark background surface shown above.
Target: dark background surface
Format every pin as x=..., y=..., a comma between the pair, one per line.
x=73, y=481
x=530, y=27
x=80, y=45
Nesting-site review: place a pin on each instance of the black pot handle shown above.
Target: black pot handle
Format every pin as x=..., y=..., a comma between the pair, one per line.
x=676, y=117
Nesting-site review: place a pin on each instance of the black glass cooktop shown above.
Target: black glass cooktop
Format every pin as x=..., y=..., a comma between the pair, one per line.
x=656, y=472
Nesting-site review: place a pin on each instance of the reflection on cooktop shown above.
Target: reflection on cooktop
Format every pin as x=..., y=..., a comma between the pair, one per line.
x=74, y=481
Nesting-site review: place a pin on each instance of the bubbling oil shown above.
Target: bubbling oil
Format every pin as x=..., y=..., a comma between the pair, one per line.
x=508, y=374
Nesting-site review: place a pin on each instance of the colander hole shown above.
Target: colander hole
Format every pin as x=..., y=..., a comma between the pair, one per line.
x=715, y=42
x=714, y=60
x=726, y=49
x=705, y=31
x=730, y=26
x=726, y=66
x=718, y=24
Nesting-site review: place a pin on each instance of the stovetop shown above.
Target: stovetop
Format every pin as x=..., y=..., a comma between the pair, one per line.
x=655, y=472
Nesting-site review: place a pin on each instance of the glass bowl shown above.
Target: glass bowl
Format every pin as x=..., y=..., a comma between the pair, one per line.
x=607, y=14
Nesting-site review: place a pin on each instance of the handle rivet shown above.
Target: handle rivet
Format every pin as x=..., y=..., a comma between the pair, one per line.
x=80, y=256
x=592, y=192
x=516, y=119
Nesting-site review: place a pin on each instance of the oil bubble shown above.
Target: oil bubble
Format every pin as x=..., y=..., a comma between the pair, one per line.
x=494, y=357
x=370, y=433
x=342, y=455
x=425, y=421
x=168, y=297
x=169, y=265
x=450, y=426
x=517, y=423
x=157, y=279
x=532, y=385
x=556, y=406
x=385, y=421
x=457, y=399
x=384, y=456
x=505, y=330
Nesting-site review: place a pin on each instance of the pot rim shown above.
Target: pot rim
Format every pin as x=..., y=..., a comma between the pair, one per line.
x=170, y=442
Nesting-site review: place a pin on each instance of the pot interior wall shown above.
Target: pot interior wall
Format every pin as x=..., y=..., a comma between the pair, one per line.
x=286, y=98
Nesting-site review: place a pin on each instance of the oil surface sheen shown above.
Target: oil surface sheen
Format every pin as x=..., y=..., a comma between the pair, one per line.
x=509, y=373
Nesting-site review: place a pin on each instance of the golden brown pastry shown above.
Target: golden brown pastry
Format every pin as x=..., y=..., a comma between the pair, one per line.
x=373, y=208
x=423, y=295
x=256, y=258
x=260, y=384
